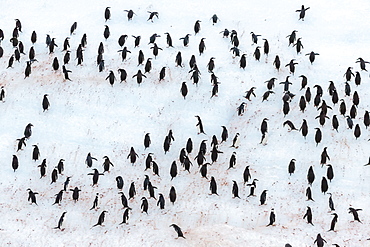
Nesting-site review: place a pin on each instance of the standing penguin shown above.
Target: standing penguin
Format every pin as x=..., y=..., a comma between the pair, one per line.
x=292, y=37
x=310, y=175
x=324, y=185
x=173, y=170
x=101, y=219
x=185, y=40
x=178, y=231
x=318, y=136
x=162, y=73
x=263, y=197
x=335, y=122
x=148, y=65
x=123, y=200
x=200, y=126
x=152, y=14
x=330, y=172
x=147, y=140
x=166, y=144
x=213, y=186
x=243, y=61
x=111, y=77
x=124, y=52
x=54, y=175
x=42, y=168
x=172, y=195
x=266, y=47
x=203, y=170
x=130, y=14
x=107, y=163
x=319, y=240
x=308, y=214
x=155, y=168
x=246, y=174
x=144, y=205
x=66, y=183
x=355, y=214
x=132, y=191
x=146, y=182
x=236, y=141
x=15, y=163
x=333, y=222
x=161, y=201
x=324, y=156
x=286, y=83
x=257, y=53
x=187, y=163
x=232, y=160
x=60, y=166
x=197, y=26
x=291, y=65
x=45, y=103
x=95, y=202
x=184, y=89
x=95, y=175
x=168, y=39
x=253, y=186
x=28, y=131
x=148, y=161
x=123, y=75
x=211, y=65
x=60, y=222
x=367, y=119
x=357, y=131
x=139, y=77
x=132, y=155
x=125, y=216
x=309, y=194
x=214, y=19
x=241, y=108
x=89, y=160
x=298, y=45
x=264, y=126
x=32, y=196
x=189, y=146
x=107, y=13
x=75, y=194
x=331, y=203
x=272, y=218
x=214, y=154
x=33, y=37
x=65, y=73
x=312, y=56
x=21, y=142
x=235, y=190
x=291, y=167
x=202, y=46
x=277, y=63
x=302, y=12
x=224, y=134
x=2, y=91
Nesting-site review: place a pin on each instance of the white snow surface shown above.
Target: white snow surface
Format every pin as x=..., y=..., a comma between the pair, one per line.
x=87, y=115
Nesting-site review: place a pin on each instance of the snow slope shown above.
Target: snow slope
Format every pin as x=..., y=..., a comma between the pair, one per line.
x=89, y=115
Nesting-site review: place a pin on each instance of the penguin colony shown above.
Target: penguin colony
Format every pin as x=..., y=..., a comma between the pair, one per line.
x=338, y=106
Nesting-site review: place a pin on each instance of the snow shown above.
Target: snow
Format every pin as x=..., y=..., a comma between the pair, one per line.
x=88, y=115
